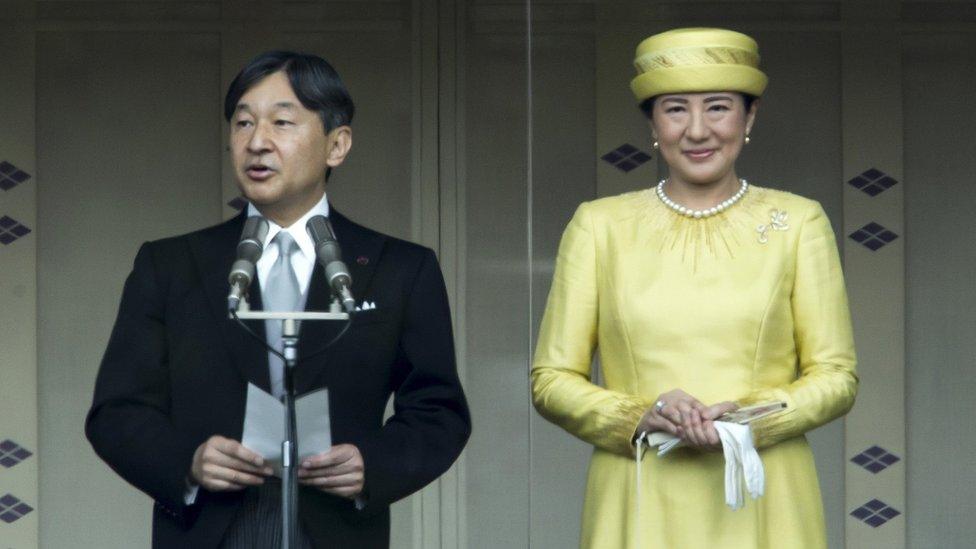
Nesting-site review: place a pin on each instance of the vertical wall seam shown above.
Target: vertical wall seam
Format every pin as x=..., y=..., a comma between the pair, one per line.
x=529, y=251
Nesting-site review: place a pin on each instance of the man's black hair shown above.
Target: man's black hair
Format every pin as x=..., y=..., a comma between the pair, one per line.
x=316, y=84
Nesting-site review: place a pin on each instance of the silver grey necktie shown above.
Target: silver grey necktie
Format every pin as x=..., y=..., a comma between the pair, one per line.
x=281, y=293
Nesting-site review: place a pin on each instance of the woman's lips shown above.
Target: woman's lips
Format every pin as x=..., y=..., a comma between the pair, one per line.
x=699, y=154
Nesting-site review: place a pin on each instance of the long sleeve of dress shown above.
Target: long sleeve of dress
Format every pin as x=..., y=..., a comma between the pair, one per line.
x=827, y=382
x=561, y=387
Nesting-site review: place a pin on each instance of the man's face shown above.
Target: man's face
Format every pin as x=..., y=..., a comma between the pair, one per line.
x=280, y=150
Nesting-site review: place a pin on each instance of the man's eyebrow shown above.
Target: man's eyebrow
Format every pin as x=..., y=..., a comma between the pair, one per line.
x=280, y=105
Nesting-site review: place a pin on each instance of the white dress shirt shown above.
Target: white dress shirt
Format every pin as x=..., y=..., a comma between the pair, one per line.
x=302, y=263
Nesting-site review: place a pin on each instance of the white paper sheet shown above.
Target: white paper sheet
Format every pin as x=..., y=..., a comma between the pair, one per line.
x=264, y=425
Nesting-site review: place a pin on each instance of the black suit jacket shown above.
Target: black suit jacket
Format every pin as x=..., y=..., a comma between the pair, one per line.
x=176, y=370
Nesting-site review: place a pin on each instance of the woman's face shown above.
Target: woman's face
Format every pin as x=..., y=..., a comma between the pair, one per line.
x=701, y=134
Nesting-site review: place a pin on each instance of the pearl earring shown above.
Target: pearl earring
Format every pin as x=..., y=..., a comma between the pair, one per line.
x=747, y=140
x=655, y=145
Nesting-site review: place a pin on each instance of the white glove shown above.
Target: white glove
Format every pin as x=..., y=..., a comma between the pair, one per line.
x=741, y=462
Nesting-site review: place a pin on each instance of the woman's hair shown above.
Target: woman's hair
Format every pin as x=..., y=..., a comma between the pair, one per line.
x=647, y=106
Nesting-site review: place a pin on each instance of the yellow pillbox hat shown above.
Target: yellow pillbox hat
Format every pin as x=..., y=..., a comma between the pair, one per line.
x=697, y=60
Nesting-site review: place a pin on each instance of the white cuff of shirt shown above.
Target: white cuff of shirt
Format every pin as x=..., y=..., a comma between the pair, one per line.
x=190, y=494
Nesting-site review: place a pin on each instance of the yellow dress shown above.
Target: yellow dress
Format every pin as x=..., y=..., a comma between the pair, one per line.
x=749, y=306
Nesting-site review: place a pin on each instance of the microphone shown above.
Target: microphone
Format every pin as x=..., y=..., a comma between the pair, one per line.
x=330, y=257
x=249, y=250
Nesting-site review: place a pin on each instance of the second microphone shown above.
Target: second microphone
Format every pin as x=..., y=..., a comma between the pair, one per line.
x=329, y=255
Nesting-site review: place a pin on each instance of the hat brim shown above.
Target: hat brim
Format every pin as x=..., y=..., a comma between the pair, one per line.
x=696, y=79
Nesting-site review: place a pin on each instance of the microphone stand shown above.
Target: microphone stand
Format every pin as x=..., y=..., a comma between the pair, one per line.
x=289, y=446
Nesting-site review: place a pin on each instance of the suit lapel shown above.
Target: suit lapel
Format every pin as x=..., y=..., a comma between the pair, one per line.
x=361, y=249
x=214, y=253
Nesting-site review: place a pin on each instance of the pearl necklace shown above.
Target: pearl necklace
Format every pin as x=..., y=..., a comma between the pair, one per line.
x=701, y=214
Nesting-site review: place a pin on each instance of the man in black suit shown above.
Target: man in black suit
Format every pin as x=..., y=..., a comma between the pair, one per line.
x=170, y=396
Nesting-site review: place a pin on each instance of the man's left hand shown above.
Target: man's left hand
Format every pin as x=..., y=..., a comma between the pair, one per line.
x=339, y=471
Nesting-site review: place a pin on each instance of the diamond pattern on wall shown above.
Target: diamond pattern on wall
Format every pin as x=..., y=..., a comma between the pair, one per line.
x=626, y=157
x=875, y=513
x=873, y=182
x=875, y=459
x=11, y=229
x=12, y=509
x=873, y=236
x=12, y=453
x=238, y=203
x=11, y=176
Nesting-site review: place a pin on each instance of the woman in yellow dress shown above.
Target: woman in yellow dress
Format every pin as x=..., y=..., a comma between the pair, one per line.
x=702, y=294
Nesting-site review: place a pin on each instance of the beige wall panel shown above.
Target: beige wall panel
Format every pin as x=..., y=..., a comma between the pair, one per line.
x=497, y=278
x=939, y=80
x=564, y=175
x=18, y=292
x=128, y=151
x=618, y=120
x=872, y=130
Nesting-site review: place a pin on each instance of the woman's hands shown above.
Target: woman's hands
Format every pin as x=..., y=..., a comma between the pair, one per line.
x=683, y=415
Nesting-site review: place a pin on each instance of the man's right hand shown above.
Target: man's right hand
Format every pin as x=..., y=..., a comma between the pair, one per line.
x=221, y=464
